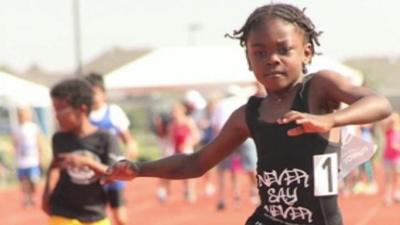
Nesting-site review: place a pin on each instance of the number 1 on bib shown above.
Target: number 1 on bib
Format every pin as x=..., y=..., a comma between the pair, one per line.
x=326, y=174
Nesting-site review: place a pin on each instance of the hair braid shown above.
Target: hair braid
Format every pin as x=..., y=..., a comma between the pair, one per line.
x=287, y=12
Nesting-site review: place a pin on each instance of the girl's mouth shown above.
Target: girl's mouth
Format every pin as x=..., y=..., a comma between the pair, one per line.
x=274, y=74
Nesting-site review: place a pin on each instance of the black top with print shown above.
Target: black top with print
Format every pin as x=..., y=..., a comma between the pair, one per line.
x=78, y=193
x=285, y=171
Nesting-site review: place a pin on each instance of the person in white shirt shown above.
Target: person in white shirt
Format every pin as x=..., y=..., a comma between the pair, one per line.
x=27, y=141
x=244, y=156
x=112, y=118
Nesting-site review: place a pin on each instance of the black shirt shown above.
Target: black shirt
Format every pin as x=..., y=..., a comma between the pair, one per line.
x=285, y=171
x=78, y=193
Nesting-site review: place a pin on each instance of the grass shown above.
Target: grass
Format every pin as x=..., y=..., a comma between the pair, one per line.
x=148, y=147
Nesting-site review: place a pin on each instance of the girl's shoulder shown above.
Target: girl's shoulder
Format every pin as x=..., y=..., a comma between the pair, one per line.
x=327, y=78
x=238, y=118
x=322, y=88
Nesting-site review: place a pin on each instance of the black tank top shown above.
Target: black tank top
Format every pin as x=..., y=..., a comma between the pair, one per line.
x=285, y=171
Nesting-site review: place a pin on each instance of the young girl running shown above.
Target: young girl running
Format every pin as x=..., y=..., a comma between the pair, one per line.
x=295, y=127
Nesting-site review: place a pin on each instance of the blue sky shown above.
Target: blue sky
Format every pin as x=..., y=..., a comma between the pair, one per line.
x=40, y=31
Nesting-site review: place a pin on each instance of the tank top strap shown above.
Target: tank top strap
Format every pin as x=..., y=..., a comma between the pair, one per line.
x=301, y=101
x=107, y=115
x=252, y=106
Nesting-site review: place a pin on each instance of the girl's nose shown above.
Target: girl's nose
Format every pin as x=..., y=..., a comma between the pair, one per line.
x=272, y=60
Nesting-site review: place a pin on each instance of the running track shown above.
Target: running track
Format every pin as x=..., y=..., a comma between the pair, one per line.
x=144, y=209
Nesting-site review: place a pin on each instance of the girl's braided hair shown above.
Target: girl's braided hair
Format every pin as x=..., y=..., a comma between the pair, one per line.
x=286, y=12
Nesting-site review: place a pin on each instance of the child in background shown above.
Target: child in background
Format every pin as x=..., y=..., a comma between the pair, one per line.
x=366, y=183
x=112, y=118
x=244, y=157
x=199, y=110
x=160, y=124
x=184, y=136
x=296, y=127
x=28, y=143
x=81, y=153
x=391, y=158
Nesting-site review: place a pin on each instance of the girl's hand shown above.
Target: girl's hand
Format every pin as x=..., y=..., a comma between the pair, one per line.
x=71, y=159
x=121, y=170
x=307, y=123
x=45, y=205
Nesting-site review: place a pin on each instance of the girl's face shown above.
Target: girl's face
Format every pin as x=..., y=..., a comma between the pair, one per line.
x=178, y=111
x=276, y=53
x=99, y=97
x=24, y=114
x=68, y=117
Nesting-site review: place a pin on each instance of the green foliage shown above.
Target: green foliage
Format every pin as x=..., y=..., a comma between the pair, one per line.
x=7, y=165
x=148, y=147
x=140, y=129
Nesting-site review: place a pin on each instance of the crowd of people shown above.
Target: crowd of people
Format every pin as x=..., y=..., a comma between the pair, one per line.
x=284, y=137
x=384, y=136
x=193, y=122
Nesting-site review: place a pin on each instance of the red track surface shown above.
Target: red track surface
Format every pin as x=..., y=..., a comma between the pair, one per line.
x=144, y=209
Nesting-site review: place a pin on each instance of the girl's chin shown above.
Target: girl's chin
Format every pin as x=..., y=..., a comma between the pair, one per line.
x=275, y=83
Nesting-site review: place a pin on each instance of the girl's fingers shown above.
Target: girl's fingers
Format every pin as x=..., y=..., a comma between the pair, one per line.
x=109, y=170
x=126, y=166
x=120, y=170
x=109, y=175
x=106, y=179
x=296, y=131
x=302, y=121
x=290, y=117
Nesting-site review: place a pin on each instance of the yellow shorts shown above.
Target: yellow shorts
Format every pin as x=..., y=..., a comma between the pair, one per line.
x=58, y=220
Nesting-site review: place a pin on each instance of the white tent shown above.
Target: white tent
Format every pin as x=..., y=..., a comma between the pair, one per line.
x=182, y=67
x=19, y=91
x=199, y=66
x=15, y=91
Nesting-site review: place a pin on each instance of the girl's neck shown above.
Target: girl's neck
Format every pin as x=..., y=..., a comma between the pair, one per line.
x=285, y=93
x=85, y=129
x=99, y=105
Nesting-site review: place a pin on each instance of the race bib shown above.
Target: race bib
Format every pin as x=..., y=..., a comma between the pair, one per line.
x=326, y=174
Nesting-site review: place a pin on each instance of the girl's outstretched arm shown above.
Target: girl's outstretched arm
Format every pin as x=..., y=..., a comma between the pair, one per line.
x=183, y=166
x=327, y=90
x=365, y=106
x=52, y=176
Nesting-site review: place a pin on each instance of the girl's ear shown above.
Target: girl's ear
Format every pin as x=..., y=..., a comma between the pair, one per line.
x=84, y=108
x=248, y=61
x=308, y=53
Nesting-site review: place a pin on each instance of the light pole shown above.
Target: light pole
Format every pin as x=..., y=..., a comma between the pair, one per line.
x=192, y=28
x=77, y=37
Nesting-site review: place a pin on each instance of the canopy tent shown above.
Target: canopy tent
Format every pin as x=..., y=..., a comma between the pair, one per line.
x=198, y=66
x=182, y=67
x=16, y=91
x=20, y=91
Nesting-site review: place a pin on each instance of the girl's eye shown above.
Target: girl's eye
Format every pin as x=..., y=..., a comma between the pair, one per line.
x=284, y=50
x=260, y=54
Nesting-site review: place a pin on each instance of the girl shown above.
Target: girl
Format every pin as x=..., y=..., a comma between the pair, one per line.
x=295, y=127
x=184, y=135
x=81, y=153
x=391, y=158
